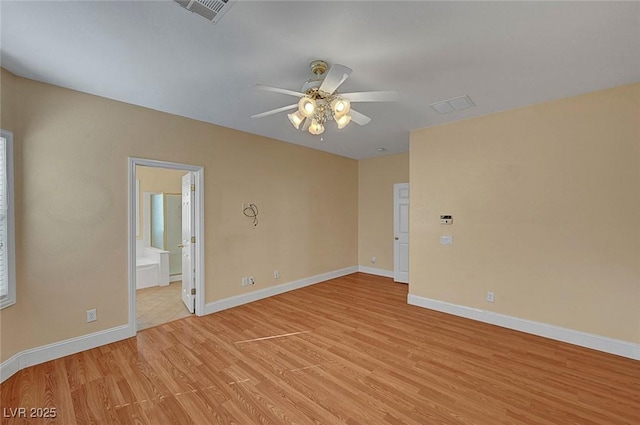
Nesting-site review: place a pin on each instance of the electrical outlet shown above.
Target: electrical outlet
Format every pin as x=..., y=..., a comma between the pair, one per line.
x=373, y=259
x=252, y=281
x=276, y=274
x=92, y=315
x=490, y=297
x=245, y=281
x=446, y=240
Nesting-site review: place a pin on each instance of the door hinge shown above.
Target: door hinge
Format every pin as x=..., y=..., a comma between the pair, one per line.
x=193, y=291
x=193, y=239
x=193, y=187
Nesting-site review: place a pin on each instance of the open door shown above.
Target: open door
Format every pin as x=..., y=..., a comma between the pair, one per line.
x=188, y=242
x=401, y=232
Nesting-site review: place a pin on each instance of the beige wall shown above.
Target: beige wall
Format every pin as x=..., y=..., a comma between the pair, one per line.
x=156, y=180
x=546, y=207
x=71, y=207
x=376, y=177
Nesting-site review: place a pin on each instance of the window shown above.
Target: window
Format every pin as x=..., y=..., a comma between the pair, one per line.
x=7, y=245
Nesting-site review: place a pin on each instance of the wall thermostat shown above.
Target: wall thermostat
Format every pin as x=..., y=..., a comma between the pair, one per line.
x=446, y=219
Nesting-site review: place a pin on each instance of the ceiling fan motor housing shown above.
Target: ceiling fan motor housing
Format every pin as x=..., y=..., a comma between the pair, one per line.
x=319, y=67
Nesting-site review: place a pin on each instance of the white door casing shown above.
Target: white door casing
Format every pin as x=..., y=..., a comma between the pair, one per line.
x=188, y=241
x=198, y=231
x=401, y=232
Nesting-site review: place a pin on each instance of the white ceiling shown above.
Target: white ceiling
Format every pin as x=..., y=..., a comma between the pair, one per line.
x=158, y=55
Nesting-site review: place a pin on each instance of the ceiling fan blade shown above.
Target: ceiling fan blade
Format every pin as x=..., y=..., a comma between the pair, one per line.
x=359, y=118
x=274, y=111
x=372, y=96
x=337, y=75
x=278, y=90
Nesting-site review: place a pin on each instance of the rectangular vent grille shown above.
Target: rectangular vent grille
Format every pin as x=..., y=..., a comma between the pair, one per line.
x=451, y=105
x=212, y=10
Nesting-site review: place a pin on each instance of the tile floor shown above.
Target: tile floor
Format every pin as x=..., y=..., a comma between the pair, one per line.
x=159, y=304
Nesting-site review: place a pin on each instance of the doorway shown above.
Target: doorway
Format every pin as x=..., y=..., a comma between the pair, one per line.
x=158, y=252
x=165, y=281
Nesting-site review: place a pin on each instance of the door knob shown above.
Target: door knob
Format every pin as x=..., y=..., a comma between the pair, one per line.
x=396, y=238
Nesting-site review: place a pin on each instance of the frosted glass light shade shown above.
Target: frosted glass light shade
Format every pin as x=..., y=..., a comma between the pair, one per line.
x=340, y=107
x=306, y=106
x=316, y=128
x=296, y=119
x=343, y=121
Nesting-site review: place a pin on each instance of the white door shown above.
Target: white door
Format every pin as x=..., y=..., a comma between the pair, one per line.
x=401, y=232
x=188, y=242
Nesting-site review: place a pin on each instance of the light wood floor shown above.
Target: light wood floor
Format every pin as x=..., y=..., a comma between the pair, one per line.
x=348, y=351
x=159, y=304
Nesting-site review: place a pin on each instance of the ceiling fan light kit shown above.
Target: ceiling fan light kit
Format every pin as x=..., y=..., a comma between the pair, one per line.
x=307, y=106
x=321, y=107
x=320, y=102
x=343, y=121
x=340, y=107
x=296, y=119
x=316, y=127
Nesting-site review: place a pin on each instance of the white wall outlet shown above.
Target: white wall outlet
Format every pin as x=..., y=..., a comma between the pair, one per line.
x=373, y=259
x=92, y=315
x=276, y=274
x=490, y=297
x=446, y=240
x=252, y=281
x=245, y=281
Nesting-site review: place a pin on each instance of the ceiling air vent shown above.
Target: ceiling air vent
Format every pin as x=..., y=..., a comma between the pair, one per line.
x=451, y=105
x=213, y=10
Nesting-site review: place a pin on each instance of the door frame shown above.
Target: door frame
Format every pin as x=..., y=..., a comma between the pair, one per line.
x=198, y=229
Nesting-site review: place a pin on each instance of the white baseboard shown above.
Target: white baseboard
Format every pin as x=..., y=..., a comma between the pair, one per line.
x=274, y=290
x=377, y=272
x=583, y=339
x=56, y=350
x=9, y=367
x=175, y=278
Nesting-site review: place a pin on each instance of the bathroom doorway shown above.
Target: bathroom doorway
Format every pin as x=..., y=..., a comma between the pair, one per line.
x=159, y=257
x=161, y=244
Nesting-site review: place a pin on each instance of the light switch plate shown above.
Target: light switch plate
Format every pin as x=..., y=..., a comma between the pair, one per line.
x=446, y=219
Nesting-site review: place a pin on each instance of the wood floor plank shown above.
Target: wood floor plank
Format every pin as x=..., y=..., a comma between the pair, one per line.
x=349, y=351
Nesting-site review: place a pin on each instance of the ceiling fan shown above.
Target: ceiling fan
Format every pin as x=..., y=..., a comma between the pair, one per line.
x=320, y=102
